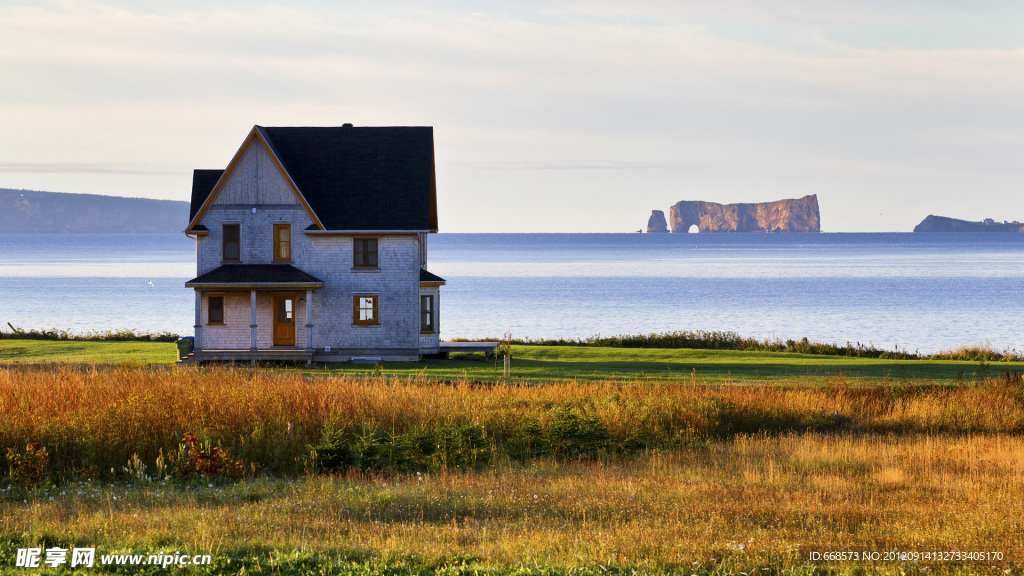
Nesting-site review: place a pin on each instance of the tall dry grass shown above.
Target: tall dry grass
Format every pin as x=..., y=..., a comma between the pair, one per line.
x=92, y=420
x=744, y=504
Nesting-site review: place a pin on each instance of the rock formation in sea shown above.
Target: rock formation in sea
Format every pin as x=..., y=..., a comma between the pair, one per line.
x=943, y=224
x=657, y=223
x=797, y=215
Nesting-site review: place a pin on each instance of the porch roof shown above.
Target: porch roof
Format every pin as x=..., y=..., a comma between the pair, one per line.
x=430, y=277
x=255, y=277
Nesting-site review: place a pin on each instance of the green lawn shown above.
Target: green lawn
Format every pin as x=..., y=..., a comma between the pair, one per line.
x=539, y=363
x=87, y=351
x=536, y=363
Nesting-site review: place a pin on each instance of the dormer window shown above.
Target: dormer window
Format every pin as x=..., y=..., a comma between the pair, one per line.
x=364, y=253
x=232, y=246
x=282, y=242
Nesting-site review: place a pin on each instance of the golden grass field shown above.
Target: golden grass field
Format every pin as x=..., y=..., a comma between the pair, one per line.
x=690, y=478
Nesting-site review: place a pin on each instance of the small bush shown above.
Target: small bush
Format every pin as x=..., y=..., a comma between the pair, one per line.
x=28, y=468
x=195, y=461
x=334, y=451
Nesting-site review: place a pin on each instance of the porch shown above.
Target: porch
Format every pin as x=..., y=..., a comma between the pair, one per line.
x=253, y=312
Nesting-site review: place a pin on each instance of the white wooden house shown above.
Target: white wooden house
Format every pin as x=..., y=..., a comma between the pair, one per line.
x=312, y=245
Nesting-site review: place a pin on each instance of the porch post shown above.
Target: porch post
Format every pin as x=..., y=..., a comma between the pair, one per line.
x=199, y=313
x=309, y=320
x=252, y=321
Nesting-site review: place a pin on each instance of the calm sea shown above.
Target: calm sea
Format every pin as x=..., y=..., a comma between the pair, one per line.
x=918, y=291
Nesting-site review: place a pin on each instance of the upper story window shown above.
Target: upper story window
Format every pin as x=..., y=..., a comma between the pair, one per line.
x=364, y=254
x=232, y=234
x=282, y=242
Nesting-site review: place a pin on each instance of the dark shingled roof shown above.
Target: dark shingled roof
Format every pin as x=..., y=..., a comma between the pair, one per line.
x=203, y=182
x=429, y=277
x=355, y=178
x=255, y=274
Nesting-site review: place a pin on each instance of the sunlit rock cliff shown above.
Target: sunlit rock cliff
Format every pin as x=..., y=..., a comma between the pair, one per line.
x=657, y=223
x=798, y=215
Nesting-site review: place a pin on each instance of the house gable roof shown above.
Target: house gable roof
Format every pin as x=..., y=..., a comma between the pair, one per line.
x=351, y=178
x=200, y=204
x=203, y=182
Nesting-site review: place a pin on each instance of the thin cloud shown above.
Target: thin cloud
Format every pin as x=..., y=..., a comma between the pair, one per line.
x=565, y=165
x=79, y=168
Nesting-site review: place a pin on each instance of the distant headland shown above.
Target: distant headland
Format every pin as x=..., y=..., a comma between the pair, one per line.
x=29, y=211
x=943, y=224
x=796, y=215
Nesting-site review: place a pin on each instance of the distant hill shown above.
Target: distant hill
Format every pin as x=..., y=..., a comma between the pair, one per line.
x=28, y=211
x=943, y=224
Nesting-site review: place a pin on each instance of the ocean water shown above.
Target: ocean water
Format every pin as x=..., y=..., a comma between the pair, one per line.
x=924, y=292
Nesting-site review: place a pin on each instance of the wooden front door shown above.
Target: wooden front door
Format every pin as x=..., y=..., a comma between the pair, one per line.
x=284, y=321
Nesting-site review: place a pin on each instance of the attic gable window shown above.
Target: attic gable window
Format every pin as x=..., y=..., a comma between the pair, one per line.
x=232, y=246
x=364, y=253
x=282, y=242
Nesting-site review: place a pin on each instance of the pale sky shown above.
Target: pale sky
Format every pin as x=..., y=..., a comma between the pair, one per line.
x=547, y=116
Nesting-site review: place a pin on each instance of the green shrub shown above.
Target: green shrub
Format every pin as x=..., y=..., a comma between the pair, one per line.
x=568, y=435
x=430, y=447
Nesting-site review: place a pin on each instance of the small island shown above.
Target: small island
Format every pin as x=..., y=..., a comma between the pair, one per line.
x=943, y=224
